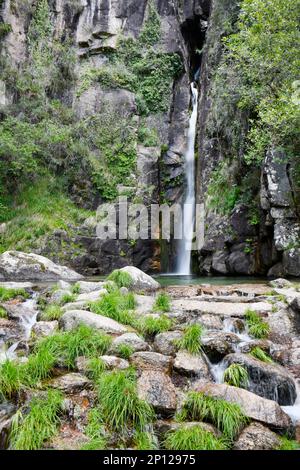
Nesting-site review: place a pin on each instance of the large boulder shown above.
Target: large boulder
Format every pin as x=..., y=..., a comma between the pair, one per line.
x=135, y=342
x=218, y=344
x=31, y=267
x=140, y=280
x=157, y=389
x=257, y=437
x=151, y=361
x=74, y=318
x=266, y=380
x=166, y=343
x=253, y=406
x=191, y=366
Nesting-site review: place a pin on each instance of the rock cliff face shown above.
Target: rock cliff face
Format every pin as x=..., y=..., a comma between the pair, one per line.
x=191, y=31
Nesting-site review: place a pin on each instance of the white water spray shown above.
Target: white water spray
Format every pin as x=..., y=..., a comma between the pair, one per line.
x=185, y=245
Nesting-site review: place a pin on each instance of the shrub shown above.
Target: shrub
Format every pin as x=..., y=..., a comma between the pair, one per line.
x=162, y=303
x=256, y=326
x=193, y=438
x=119, y=402
x=31, y=430
x=191, y=340
x=121, y=278
x=236, y=375
x=227, y=417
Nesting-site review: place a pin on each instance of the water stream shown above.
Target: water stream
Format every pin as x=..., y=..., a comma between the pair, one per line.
x=185, y=244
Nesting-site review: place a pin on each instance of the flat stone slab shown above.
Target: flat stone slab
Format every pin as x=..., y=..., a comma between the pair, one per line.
x=17, y=285
x=70, y=383
x=75, y=318
x=225, y=309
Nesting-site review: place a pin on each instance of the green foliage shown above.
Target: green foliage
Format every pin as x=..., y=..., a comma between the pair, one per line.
x=5, y=29
x=125, y=351
x=152, y=326
x=95, y=368
x=144, y=440
x=67, y=298
x=75, y=289
x=222, y=193
x=227, y=417
x=39, y=424
x=162, y=303
x=193, y=438
x=116, y=306
x=3, y=313
x=10, y=380
x=51, y=313
x=191, y=340
x=148, y=137
x=94, y=430
x=9, y=294
x=261, y=355
x=263, y=53
x=83, y=341
x=119, y=402
x=288, y=444
x=256, y=326
x=121, y=279
x=236, y=375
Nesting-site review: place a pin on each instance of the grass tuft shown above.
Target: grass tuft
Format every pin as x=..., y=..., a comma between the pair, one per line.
x=261, y=355
x=144, y=440
x=3, y=313
x=191, y=340
x=125, y=351
x=236, y=375
x=193, y=438
x=227, y=417
x=116, y=306
x=119, y=402
x=152, y=326
x=257, y=328
x=121, y=279
x=96, y=367
x=288, y=444
x=95, y=431
x=9, y=294
x=162, y=303
x=39, y=424
x=11, y=376
x=51, y=313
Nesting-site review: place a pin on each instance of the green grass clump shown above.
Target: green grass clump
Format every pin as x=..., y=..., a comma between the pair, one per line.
x=162, y=303
x=261, y=355
x=144, y=440
x=236, y=375
x=83, y=341
x=116, y=306
x=75, y=289
x=9, y=294
x=31, y=430
x=119, y=402
x=125, y=351
x=288, y=444
x=51, y=313
x=95, y=431
x=11, y=377
x=3, y=313
x=227, y=417
x=193, y=438
x=191, y=340
x=152, y=326
x=67, y=299
x=256, y=326
x=95, y=368
x=121, y=279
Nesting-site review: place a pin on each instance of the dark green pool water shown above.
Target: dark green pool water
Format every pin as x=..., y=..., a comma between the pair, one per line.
x=173, y=280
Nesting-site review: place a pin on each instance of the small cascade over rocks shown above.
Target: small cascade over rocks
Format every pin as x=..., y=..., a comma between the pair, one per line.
x=185, y=244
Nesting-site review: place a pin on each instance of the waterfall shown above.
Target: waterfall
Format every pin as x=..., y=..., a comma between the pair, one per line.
x=185, y=244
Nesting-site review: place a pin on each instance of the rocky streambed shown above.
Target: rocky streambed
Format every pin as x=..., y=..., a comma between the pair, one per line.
x=124, y=363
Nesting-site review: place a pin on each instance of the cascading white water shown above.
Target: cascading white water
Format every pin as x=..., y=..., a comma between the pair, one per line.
x=185, y=245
